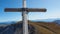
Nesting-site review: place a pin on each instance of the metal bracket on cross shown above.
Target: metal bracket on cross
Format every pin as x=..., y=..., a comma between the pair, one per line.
x=24, y=11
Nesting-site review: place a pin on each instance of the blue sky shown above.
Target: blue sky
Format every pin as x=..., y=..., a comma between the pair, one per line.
x=52, y=6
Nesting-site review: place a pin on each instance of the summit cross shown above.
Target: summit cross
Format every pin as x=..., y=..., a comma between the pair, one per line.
x=25, y=11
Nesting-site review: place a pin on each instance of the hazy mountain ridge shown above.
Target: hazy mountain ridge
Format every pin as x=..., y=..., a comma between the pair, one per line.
x=38, y=20
x=47, y=20
x=9, y=22
x=56, y=20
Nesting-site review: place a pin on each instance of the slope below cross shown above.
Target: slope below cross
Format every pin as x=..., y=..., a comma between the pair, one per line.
x=25, y=11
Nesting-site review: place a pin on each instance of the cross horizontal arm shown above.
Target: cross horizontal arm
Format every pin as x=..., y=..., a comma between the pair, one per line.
x=25, y=9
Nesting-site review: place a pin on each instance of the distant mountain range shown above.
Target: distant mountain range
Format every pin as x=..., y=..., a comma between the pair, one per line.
x=56, y=20
x=9, y=22
x=47, y=20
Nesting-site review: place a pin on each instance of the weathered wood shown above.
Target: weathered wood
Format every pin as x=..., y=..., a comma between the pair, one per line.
x=25, y=9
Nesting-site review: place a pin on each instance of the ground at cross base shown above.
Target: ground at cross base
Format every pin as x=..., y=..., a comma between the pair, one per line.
x=34, y=28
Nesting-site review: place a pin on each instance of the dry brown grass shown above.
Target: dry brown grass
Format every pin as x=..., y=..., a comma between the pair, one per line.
x=46, y=28
x=42, y=28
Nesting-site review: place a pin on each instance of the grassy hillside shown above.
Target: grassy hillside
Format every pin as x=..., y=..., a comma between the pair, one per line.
x=41, y=28
x=34, y=28
x=45, y=28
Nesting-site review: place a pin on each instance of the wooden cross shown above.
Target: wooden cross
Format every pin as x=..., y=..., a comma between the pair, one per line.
x=25, y=11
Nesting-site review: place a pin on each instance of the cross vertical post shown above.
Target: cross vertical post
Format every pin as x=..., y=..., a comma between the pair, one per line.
x=24, y=18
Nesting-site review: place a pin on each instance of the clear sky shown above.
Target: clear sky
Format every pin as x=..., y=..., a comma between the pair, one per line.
x=52, y=6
